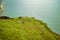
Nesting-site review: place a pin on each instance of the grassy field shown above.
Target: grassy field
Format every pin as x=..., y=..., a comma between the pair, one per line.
x=25, y=28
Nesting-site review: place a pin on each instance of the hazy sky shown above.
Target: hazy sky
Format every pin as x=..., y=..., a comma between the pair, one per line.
x=46, y=10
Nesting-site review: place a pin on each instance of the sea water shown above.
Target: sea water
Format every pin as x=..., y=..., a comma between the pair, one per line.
x=46, y=10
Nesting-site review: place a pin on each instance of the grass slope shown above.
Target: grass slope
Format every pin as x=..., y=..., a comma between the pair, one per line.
x=25, y=28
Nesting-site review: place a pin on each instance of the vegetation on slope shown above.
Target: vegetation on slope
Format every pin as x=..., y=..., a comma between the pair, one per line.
x=25, y=28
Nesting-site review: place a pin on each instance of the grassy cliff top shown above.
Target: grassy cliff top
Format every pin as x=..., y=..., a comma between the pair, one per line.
x=25, y=28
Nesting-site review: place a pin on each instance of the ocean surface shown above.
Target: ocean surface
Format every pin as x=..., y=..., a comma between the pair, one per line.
x=46, y=10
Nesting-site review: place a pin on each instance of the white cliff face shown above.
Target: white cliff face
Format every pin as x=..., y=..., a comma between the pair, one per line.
x=1, y=8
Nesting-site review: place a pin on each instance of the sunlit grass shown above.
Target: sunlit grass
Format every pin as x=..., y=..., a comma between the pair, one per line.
x=25, y=28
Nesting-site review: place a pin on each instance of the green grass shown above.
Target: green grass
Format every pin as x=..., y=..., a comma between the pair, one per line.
x=25, y=28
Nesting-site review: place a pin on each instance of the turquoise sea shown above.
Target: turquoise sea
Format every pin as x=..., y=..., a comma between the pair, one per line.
x=46, y=10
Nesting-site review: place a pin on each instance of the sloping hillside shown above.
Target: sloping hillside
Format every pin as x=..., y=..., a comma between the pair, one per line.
x=25, y=28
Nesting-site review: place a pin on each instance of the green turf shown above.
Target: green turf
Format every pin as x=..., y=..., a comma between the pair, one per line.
x=25, y=28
